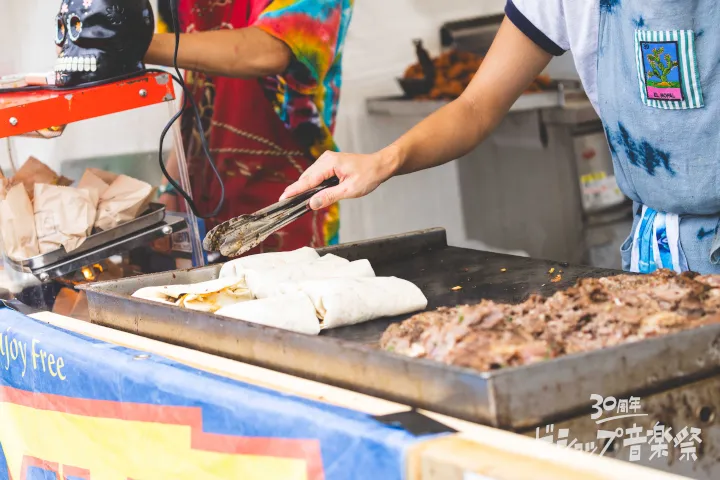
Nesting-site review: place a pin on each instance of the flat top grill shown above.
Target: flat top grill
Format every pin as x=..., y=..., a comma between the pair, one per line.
x=512, y=398
x=480, y=276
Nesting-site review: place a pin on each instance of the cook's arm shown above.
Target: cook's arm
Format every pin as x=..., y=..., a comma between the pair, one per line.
x=241, y=53
x=511, y=65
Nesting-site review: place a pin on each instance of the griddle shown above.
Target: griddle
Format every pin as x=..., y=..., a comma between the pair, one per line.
x=511, y=398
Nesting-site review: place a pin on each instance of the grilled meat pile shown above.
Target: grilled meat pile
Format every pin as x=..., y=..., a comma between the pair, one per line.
x=594, y=314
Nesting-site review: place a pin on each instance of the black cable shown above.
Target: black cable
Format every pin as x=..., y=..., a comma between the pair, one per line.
x=187, y=96
x=198, y=120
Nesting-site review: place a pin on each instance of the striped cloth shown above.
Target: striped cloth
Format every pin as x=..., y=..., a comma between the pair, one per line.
x=668, y=69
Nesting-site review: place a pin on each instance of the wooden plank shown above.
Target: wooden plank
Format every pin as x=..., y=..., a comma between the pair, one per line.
x=492, y=454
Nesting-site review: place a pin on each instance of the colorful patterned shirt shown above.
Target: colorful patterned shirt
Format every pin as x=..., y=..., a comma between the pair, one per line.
x=303, y=99
x=307, y=95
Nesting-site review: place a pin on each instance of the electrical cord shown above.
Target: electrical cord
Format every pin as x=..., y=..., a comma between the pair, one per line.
x=198, y=122
x=187, y=97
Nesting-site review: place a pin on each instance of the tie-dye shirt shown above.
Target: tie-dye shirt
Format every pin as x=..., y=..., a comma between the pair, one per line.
x=306, y=96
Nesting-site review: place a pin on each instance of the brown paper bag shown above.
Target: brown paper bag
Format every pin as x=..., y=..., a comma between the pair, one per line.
x=105, y=176
x=124, y=200
x=93, y=183
x=5, y=185
x=34, y=171
x=63, y=216
x=16, y=226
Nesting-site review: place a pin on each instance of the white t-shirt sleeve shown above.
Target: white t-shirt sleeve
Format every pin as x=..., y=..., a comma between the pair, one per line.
x=543, y=21
x=546, y=23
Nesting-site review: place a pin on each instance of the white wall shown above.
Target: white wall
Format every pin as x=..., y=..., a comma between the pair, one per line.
x=379, y=43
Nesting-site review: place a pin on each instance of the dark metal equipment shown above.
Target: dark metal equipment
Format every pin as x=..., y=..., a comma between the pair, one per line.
x=101, y=39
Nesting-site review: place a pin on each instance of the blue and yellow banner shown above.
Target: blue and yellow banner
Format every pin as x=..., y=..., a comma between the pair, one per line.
x=73, y=407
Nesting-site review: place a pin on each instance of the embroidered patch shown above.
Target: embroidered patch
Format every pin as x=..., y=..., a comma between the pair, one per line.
x=667, y=69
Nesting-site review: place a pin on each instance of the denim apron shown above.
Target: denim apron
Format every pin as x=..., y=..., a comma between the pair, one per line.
x=658, y=67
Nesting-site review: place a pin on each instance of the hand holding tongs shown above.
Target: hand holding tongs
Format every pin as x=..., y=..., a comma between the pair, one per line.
x=243, y=233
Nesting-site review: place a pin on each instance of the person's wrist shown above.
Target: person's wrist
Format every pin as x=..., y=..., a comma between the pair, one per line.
x=392, y=159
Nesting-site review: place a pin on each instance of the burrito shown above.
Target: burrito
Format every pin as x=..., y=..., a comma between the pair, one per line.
x=293, y=312
x=155, y=294
x=208, y=296
x=266, y=261
x=264, y=284
x=347, y=301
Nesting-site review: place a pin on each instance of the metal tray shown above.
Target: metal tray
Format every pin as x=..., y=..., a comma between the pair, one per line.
x=124, y=244
x=514, y=398
x=154, y=215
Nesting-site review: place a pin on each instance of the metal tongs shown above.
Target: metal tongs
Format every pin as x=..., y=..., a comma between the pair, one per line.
x=243, y=233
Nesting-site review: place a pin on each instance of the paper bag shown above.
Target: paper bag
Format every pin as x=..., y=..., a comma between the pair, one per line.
x=63, y=217
x=93, y=183
x=105, y=176
x=125, y=199
x=34, y=171
x=16, y=226
x=5, y=185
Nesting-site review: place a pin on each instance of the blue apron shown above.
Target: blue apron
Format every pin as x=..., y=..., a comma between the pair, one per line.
x=658, y=87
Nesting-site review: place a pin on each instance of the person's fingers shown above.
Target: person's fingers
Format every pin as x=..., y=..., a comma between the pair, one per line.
x=320, y=171
x=303, y=184
x=329, y=196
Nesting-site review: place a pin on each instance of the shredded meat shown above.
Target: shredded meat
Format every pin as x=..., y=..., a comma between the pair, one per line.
x=594, y=314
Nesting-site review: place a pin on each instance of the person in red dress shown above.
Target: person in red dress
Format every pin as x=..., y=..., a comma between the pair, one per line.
x=266, y=77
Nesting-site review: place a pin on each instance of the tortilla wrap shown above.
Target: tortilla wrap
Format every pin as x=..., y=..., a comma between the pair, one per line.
x=155, y=294
x=266, y=261
x=212, y=302
x=293, y=312
x=207, y=296
x=264, y=284
x=348, y=301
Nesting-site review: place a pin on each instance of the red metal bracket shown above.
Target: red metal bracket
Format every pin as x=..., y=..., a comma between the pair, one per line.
x=27, y=112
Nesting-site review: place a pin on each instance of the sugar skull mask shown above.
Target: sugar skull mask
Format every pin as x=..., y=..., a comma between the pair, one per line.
x=101, y=39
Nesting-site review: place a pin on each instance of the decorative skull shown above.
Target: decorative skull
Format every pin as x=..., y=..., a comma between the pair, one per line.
x=101, y=39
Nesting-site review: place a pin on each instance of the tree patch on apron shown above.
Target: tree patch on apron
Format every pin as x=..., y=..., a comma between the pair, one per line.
x=667, y=69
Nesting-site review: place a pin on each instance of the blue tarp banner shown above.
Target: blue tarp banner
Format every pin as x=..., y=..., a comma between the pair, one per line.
x=73, y=407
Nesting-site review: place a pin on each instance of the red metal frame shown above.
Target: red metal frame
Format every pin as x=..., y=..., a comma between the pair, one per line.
x=27, y=112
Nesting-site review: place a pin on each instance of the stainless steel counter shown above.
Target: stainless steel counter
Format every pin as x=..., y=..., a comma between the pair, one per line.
x=400, y=106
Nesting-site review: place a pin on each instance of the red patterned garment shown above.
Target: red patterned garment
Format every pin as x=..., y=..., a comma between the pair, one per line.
x=264, y=133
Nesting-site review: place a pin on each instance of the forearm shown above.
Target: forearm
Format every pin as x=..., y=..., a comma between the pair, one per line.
x=510, y=66
x=241, y=53
x=446, y=135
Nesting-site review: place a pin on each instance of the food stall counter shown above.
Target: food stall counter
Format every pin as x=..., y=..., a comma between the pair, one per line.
x=84, y=401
